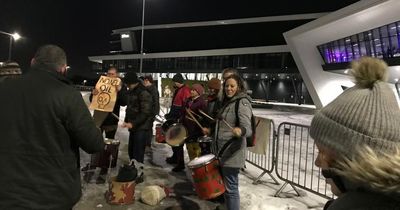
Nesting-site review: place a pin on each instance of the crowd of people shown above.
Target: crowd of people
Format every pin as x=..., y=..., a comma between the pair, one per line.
x=45, y=122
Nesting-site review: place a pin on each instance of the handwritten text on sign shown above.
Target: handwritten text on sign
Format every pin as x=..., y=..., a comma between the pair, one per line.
x=107, y=94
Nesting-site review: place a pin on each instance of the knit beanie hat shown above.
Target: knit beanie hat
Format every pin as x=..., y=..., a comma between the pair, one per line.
x=131, y=78
x=214, y=83
x=178, y=78
x=366, y=114
x=10, y=68
x=198, y=88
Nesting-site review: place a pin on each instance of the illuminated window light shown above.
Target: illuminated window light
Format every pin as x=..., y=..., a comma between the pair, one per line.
x=124, y=36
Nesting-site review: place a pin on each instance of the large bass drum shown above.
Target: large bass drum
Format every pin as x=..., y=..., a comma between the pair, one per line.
x=176, y=135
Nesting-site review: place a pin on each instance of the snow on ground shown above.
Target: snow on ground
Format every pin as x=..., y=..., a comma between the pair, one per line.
x=253, y=197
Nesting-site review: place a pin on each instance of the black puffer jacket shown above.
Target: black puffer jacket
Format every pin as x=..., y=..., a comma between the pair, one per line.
x=43, y=123
x=139, y=111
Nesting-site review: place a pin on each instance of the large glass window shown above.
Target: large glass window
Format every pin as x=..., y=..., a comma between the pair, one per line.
x=381, y=42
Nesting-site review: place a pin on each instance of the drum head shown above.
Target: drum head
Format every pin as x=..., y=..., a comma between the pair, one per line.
x=176, y=135
x=111, y=141
x=201, y=161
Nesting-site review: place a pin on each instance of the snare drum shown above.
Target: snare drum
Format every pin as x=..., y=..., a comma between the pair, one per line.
x=111, y=149
x=176, y=135
x=206, y=177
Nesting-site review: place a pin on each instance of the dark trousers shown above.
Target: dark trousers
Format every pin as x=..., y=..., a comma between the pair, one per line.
x=137, y=144
x=178, y=155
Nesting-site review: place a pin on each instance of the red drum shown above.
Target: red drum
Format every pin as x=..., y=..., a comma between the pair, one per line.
x=160, y=137
x=206, y=177
x=111, y=149
x=120, y=193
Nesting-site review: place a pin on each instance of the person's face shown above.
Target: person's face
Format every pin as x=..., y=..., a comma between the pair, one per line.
x=178, y=84
x=324, y=160
x=226, y=75
x=193, y=93
x=146, y=82
x=112, y=73
x=212, y=91
x=231, y=87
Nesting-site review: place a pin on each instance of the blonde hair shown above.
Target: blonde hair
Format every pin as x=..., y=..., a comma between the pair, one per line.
x=380, y=171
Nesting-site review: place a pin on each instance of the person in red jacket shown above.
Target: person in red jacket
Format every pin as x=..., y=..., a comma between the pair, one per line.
x=182, y=92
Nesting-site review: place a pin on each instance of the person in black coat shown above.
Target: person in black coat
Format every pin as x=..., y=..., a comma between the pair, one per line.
x=44, y=123
x=109, y=127
x=139, y=116
x=148, y=82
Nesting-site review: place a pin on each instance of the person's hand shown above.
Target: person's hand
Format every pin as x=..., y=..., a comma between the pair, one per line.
x=206, y=131
x=95, y=92
x=119, y=87
x=127, y=125
x=237, y=132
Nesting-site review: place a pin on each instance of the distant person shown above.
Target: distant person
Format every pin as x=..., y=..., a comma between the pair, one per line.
x=148, y=82
x=181, y=94
x=214, y=85
x=358, y=139
x=231, y=136
x=139, y=116
x=108, y=126
x=44, y=123
x=9, y=70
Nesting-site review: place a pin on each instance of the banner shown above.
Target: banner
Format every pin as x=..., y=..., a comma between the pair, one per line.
x=107, y=94
x=263, y=134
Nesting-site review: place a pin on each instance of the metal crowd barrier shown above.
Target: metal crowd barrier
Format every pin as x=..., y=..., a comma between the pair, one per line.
x=264, y=161
x=295, y=156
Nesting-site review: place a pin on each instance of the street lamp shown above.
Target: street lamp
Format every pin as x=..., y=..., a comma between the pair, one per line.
x=14, y=36
x=142, y=37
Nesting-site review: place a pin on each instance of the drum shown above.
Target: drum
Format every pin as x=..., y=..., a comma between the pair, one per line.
x=166, y=125
x=176, y=135
x=120, y=192
x=206, y=177
x=111, y=149
x=160, y=137
x=205, y=144
x=205, y=139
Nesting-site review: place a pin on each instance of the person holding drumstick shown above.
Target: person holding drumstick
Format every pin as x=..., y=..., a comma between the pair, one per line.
x=182, y=92
x=231, y=136
x=190, y=119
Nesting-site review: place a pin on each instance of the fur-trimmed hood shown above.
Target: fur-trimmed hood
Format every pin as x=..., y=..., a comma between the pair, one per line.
x=379, y=172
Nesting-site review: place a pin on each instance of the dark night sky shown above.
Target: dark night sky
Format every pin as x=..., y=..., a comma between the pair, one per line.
x=83, y=28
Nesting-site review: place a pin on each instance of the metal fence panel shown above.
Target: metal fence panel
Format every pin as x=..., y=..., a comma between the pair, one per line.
x=295, y=156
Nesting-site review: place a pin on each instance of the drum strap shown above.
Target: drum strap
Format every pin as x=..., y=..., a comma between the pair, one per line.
x=226, y=145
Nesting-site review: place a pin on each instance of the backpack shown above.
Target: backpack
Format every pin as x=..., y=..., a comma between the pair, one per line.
x=250, y=141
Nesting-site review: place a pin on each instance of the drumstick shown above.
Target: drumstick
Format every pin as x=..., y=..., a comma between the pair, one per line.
x=226, y=123
x=206, y=115
x=194, y=113
x=116, y=116
x=194, y=119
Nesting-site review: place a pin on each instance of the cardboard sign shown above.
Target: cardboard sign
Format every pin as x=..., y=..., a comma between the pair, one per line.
x=107, y=94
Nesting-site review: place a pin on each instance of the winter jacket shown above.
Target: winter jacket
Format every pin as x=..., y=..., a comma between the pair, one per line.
x=121, y=101
x=180, y=95
x=371, y=186
x=156, y=98
x=194, y=131
x=139, y=111
x=44, y=123
x=234, y=155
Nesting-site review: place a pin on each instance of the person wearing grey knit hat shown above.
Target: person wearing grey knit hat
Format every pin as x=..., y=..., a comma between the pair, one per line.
x=358, y=138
